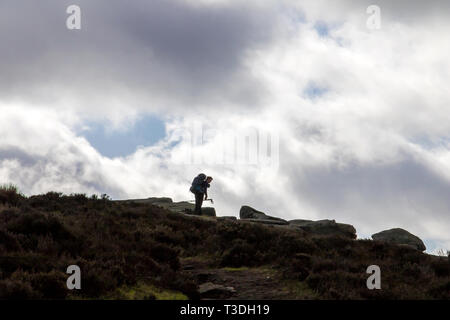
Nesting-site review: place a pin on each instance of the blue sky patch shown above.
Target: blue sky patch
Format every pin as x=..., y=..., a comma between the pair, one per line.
x=119, y=143
x=430, y=143
x=432, y=245
x=313, y=91
x=322, y=28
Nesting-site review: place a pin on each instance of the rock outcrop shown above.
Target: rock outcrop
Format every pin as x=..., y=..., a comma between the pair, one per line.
x=159, y=200
x=249, y=214
x=188, y=208
x=320, y=227
x=401, y=237
x=177, y=207
x=325, y=227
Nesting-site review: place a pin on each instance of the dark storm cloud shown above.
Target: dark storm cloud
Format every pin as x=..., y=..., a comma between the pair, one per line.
x=413, y=12
x=404, y=193
x=15, y=153
x=161, y=48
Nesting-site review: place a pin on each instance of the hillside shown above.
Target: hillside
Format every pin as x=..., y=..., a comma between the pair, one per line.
x=132, y=250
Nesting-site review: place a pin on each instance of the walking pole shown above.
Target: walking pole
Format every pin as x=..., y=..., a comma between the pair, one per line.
x=212, y=201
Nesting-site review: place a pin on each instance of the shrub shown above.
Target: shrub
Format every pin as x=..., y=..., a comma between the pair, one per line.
x=441, y=290
x=337, y=284
x=289, y=245
x=298, y=268
x=166, y=235
x=165, y=254
x=25, y=261
x=441, y=268
x=324, y=265
x=79, y=198
x=240, y=254
x=186, y=286
x=16, y=290
x=96, y=282
x=327, y=242
x=51, y=285
x=39, y=224
x=10, y=195
x=8, y=240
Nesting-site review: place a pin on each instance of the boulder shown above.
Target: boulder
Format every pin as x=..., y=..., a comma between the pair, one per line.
x=325, y=227
x=155, y=201
x=248, y=213
x=209, y=211
x=159, y=200
x=215, y=291
x=300, y=222
x=267, y=221
x=227, y=218
x=400, y=236
x=180, y=207
x=206, y=277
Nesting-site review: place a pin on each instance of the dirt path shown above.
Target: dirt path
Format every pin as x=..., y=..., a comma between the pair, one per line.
x=248, y=283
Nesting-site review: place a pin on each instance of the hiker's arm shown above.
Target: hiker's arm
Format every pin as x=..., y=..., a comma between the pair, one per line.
x=206, y=190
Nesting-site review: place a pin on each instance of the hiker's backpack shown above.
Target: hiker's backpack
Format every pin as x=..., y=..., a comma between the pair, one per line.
x=197, y=184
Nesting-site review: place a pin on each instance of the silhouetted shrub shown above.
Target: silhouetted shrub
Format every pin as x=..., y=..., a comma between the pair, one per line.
x=26, y=261
x=441, y=290
x=10, y=195
x=8, y=241
x=327, y=242
x=185, y=286
x=81, y=198
x=337, y=284
x=16, y=290
x=240, y=254
x=51, y=285
x=297, y=268
x=95, y=284
x=165, y=254
x=411, y=270
x=167, y=235
x=324, y=265
x=289, y=245
x=441, y=268
x=51, y=201
x=39, y=224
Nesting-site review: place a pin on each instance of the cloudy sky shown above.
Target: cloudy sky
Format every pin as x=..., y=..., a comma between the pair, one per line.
x=147, y=94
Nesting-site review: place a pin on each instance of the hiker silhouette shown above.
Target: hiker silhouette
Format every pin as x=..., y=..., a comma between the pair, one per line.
x=199, y=188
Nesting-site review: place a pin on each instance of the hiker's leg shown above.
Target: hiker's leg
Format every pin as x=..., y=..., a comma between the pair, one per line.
x=198, y=203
